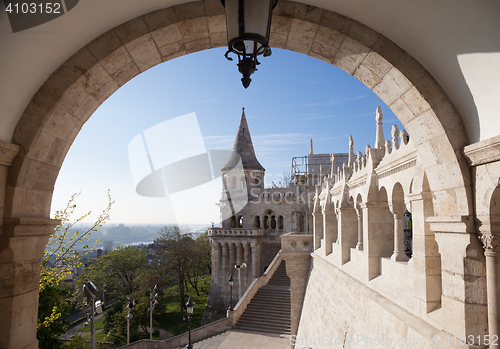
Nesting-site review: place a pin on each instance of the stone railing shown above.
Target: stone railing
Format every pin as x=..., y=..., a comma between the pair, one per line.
x=295, y=242
x=234, y=232
x=181, y=340
x=238, y=310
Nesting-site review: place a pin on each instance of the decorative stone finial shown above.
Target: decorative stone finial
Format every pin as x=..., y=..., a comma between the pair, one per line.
x=395, y=139
x=360, y=156
x=350, y=160
x=404, y=137
x=332, y=164
x=388, y=147
x=379, y=136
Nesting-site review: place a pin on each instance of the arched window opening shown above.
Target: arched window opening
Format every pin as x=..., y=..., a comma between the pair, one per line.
x=240, y=222
x=266, y=222
x=280, y=223
x=273, y=223
x=233, y=222
x=256, y=222
x=232, y=182
x=408, y=234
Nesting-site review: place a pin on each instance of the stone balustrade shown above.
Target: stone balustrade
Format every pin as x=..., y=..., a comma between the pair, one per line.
x=235, y=232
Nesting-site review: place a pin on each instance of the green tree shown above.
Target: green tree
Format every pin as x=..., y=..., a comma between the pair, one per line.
x=60, y=255
x=52, y=306
x=175, y=248
x=59, y=260
x=124, y=270
x=199, y=261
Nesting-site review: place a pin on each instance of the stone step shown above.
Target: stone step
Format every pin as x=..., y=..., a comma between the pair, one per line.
x=270, y=308
x=262, y=318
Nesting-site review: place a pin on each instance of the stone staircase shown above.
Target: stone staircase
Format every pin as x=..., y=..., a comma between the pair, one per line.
x=269, y=309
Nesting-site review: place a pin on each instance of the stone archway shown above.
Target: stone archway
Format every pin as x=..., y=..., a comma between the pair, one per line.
x=75, y=90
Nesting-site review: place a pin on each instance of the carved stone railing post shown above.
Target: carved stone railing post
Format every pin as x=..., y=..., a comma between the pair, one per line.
x=492, y=252
x=296, y=251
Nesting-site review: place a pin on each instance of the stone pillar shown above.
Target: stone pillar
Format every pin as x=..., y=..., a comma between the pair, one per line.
x=425, y=256
x=377, y=224
x=8, y=152
x=399, y=239
x=297, y=269
x=232, y=259
x=347, y=232
x=317, y=229
x=330, y=229
x=492, y=253
x=22, y=243
x=239, y=261
x=296, y=251
x=463, y=266
x=359, y=214
x=256, y=260
x=216, y=267
x=225, y=265
x=246, y=257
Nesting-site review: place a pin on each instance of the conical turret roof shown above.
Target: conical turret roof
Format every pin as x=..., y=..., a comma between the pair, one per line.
x=243, y=148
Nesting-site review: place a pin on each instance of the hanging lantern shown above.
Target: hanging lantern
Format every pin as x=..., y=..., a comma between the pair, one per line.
x=248, y=25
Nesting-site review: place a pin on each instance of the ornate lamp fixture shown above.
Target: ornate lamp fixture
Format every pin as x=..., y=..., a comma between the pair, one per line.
x=248, y=25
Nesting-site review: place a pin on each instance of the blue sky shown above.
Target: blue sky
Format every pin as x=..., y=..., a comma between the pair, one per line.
x=292, y=98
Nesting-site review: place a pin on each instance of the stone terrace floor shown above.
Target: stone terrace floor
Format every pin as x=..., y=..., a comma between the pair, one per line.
x=238, y=339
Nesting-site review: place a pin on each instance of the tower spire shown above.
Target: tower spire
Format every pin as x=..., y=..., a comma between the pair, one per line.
x=243, y=148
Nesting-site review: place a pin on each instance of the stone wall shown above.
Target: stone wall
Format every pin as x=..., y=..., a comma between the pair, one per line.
x=341, y=312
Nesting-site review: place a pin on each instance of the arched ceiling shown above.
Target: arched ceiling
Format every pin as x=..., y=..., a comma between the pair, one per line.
x=455, y=40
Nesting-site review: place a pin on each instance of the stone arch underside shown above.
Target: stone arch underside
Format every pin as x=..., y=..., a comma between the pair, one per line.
x=80, y=85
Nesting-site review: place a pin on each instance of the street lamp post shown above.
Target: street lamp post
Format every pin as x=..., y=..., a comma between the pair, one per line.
x=239, y=267
x=152, y=303
x=90, y=292
x=189, y=307
x=130, y=305
x=231, y=282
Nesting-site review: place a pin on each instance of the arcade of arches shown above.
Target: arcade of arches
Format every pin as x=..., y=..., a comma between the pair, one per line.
x=462, y=189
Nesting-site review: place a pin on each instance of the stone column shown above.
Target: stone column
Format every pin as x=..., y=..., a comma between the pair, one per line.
x=359, y=214
x=399, y=239
x=347, y=232
x=246, y=257
x=492, y=253
x=297, y=269
x=216, y=254
x=239, y=261
x=256, y=260
x=425, y=256
x=8, y=152
x=377, y=223
x=225, y=265
x=463, y=266
x=232, y=259
x=22, y=243
x=330, y=229
x=317, y=229
x=296, y=251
